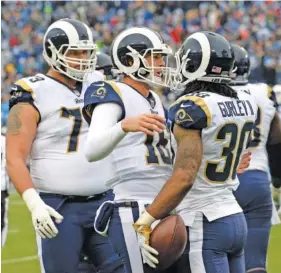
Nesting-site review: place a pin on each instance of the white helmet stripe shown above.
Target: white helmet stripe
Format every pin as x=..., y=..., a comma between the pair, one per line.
x=206, y=55
x=90, y=34
x=153, y=37
x=68, y=28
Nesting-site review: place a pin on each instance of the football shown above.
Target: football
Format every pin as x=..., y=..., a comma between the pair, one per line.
x=169, y=238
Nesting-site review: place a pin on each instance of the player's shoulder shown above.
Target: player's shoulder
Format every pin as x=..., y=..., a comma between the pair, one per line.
x=26, y=89
x=259, y=89
x=30, y=84
x=264, y=93
x=102, y=91
x=191, y=111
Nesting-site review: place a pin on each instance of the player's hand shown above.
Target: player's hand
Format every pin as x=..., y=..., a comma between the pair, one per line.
x=41, y=214
x=147, y=123
x=42, y=221
x=143, y=228
x=244, y=162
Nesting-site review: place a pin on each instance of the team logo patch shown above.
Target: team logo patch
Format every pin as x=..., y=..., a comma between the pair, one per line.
x=182, y=116
x=100, y=93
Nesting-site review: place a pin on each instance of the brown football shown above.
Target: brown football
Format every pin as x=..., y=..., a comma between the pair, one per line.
x=169, y=238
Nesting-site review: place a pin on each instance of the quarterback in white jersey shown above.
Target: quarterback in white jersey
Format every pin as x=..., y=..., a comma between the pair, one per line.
x=45, y=122
x=127, y=125
x=212, y=126
x=254, y=194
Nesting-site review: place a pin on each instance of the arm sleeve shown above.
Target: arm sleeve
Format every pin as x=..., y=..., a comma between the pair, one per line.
x=105, y=131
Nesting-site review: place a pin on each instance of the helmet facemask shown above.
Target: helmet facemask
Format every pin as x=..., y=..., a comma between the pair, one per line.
x=61, y=63
x=182, y=77
x=238, y=78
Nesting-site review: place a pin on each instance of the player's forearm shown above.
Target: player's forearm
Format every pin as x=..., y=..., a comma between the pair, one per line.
x=187, y=163
x=105, y=131
x=19, y=174
x=171, y=194
x=102, y=143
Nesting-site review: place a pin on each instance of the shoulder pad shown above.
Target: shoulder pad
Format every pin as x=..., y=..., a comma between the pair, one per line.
x=21, y=92
x=272, y=96
x=21, y=85
x=190, y=112
x=101, y=92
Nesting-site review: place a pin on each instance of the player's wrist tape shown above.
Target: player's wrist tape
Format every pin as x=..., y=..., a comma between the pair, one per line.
x=146, y=219
x=31, y=198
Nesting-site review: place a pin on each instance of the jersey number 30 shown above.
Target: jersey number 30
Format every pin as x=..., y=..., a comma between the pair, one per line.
x=230, y=152
x=75, y=115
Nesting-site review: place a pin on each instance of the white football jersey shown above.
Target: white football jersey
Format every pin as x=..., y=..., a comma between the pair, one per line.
x=4, y=175
x=141, y=163
x=261, y=93
x=225, y=125
x=57, y=161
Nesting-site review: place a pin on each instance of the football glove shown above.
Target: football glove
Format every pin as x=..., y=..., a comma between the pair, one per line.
x=143, y=228
x=41, y=214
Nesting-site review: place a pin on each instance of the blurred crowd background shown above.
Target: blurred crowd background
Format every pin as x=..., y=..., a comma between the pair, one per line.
x=256, y=25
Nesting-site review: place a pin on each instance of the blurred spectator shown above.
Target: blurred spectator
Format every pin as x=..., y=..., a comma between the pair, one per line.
x=256, y=25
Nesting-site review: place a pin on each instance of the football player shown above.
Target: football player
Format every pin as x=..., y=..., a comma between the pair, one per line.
x=253, y=193
x=62, y=190
x=127, y=124
x=4, y=192
x=105, y=66
x=212, y=125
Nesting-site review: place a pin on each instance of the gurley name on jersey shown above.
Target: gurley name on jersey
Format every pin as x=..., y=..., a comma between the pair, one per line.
x=225, y=124
x=236, y=108
x=58, y=164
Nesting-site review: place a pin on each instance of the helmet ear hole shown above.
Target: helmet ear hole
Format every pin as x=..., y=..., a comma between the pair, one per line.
x=128, y=60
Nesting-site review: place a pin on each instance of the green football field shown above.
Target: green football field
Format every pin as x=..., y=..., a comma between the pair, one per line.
x=19, y=253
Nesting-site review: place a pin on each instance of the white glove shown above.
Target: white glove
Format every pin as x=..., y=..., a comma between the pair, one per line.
x=143, y=228
x=147, y=251
x=41, y=214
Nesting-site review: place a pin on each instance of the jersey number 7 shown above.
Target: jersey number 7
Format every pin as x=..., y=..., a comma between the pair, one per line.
x=76, y=116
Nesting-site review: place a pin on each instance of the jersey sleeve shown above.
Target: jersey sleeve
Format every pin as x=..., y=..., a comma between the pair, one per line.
x=190, y=112
x=273, y=98
x=21, y=92
x=101, y=92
